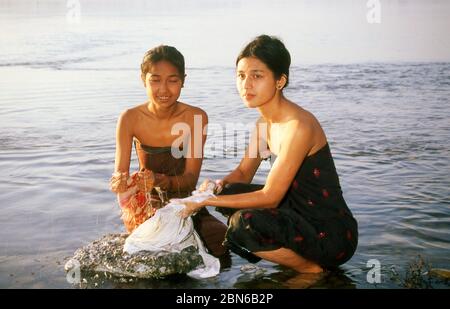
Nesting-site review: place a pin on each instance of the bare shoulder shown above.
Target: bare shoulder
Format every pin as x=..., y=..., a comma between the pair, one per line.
x=188, y=111
x=302, y=123
x=132, y=114
x=299, y=119
x=300, y=127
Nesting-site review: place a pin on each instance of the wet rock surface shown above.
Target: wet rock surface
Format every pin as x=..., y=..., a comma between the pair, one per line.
x=106, y=256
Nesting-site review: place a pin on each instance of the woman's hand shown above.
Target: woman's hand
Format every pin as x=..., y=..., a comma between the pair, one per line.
x=162, y=181
x=190, y=208
x=215, y=186
x=118, y=182
x=145, y=180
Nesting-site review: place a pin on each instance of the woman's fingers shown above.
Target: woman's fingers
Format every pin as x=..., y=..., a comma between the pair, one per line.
x=218, y=186
x=205, y=185
x=190, y=208
x=118, y=182
x=187, y=211
x=215, y=186
x=145, y=180
x=184, y=213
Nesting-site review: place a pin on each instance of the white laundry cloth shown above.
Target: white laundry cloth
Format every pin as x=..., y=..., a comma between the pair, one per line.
x=168, y=232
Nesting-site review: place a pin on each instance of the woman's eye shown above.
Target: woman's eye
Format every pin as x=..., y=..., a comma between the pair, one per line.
x=241, y=76
x=256, y=76
x=154, y=80
x=174, y=80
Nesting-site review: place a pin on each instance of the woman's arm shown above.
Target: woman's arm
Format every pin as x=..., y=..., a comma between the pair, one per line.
x=295, y=145
x=124, y=140
x=118, y=181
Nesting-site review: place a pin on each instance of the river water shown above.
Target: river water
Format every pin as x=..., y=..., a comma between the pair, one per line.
x=63, y=85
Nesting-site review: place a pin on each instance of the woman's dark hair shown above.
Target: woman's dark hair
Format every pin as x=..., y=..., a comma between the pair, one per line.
x=272, y=52
x=163, y=52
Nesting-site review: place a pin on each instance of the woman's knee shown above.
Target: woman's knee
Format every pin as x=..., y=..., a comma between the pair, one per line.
x=235, y=188
x=234, y=224
x=239, y=224
x=237, y=220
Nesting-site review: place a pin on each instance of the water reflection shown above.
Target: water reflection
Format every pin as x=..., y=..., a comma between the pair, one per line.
x=285, y=278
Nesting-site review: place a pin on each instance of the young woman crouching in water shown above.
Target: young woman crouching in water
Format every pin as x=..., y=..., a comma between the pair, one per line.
x=299, y=218
x=168, y=158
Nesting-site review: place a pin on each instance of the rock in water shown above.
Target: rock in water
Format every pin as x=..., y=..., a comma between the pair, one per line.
x=106, y=255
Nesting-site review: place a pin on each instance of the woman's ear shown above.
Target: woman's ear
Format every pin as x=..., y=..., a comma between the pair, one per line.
x=143, y=79
x=281, y=82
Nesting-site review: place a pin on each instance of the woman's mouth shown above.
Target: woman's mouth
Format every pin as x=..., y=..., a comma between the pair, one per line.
x=163, y=98
x=249, y=96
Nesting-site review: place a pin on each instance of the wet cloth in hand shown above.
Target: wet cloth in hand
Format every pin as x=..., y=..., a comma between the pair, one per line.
x=136, y=204
x=167, y=232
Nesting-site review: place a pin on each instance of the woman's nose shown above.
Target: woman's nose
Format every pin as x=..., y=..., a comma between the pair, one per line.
x=162, y=87
x=247, y=83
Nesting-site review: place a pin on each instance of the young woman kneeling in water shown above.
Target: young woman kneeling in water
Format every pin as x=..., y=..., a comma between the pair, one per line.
x=169, y=161
x=299, y=218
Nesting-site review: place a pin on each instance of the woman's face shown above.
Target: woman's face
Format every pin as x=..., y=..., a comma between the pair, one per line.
x=163, y=83
x=255, y=82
